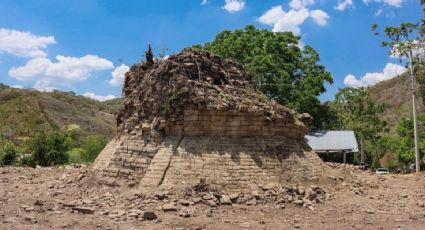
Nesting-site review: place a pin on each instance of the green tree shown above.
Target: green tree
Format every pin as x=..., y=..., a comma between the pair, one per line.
x=50, y=148
x=405, y=152
x=356, y=111
x=92, y=146
x=8, y=153
x=280, y=69
x=75, y=155
x=75, y=132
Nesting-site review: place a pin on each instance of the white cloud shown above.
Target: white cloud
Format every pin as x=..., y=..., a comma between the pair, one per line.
x=394, y=3
x=320, y=17
x=300, y=4
x=233, y=6
x=99, y=97
x=24, y=44
x=291, y=20
x=204, y=2
x=272, y=16
x=343, y=4
x=378, y=12
x=118, y=75
x=17, y=86
x=65, y=71
x=391, y=70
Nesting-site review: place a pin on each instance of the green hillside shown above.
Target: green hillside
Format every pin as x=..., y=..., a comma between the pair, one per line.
x=24, y=112
x=395, y=94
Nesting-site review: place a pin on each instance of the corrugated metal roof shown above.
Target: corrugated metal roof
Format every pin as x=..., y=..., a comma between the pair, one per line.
x=332, y=141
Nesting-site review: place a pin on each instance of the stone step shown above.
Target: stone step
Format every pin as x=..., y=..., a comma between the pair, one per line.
x=159, y=164
x=102, y=161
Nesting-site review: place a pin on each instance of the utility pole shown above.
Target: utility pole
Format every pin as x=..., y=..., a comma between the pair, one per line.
x=362, y=149
x=415, y=125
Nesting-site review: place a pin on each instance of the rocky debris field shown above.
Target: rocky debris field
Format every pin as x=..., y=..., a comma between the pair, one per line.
x=74, y=198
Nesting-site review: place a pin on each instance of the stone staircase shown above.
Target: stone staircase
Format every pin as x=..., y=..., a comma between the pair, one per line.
x=102, y=161
x=160, y=163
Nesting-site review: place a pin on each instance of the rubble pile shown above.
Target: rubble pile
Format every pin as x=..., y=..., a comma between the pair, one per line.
x=348, y=167
x=191, y=202
x=157, y=92
x=272, y=194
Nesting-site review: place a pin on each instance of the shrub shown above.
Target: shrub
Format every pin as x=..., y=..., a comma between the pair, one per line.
x=26, y=160
x=50, y=148
x=92, y=146
x=8, y=154
x=75, y=155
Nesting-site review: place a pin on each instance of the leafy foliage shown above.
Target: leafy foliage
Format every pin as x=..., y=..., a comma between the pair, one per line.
x=75, y=155
x=92, y=146
x=354, y=110
x=8, y=154
x=50, y=148
x=405, y=152
x=281, y=70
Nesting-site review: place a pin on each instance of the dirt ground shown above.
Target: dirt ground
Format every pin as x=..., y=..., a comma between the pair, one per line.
x=74, y=198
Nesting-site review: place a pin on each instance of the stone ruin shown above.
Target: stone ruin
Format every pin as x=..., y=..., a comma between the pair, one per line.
x=195, y=116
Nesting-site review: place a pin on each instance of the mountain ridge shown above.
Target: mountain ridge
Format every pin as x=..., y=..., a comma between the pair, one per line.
x=24, y=112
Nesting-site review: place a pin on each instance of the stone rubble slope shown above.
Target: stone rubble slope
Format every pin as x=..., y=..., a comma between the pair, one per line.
x=157, y=92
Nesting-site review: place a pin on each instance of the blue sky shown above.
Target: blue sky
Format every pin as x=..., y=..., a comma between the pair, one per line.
x=80, y=45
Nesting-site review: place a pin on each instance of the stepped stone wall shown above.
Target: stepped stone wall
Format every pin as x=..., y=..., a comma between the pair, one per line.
x=234, y=150
x=220, y=130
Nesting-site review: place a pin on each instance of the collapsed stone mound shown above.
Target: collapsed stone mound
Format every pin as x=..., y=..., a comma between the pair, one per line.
x=196, y=116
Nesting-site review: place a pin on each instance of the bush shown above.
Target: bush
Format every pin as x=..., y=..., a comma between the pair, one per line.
x=26, y=160
x=50, y=148
x=92, y=146
x=75, y=155
x=8, y=154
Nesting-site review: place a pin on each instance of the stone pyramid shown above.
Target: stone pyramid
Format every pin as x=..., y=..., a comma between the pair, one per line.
x=196, y=116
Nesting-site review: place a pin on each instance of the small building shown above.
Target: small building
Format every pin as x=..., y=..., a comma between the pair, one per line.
x=333, y=142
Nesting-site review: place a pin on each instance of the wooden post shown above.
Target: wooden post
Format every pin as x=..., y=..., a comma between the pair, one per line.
x=344, y=156
x=362, y=148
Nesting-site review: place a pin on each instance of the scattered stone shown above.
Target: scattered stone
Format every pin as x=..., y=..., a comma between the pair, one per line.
x=84, y=210
x=233, y=197
x=170, y=207
x=211, y=203
x=225, y=200
x=38, y=203
x=184, y=213
x=252, y=201
x=370, y=211
x=183, y=202
x=81, y=176
x=70, y=204
x=208, y=196
x=149, y=215
x=196, y=199
x=133, y=214
x=31, y=219
x=245, y=225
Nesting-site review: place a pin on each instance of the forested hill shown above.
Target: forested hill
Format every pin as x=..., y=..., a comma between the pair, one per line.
x=395, y=94
x=24, y=112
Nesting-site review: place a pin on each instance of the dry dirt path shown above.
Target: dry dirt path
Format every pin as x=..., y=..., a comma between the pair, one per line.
x=73, y=198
